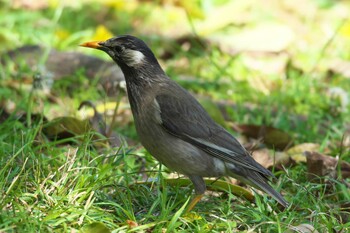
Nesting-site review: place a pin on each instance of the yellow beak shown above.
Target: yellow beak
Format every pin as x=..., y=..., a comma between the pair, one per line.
x=92, y=44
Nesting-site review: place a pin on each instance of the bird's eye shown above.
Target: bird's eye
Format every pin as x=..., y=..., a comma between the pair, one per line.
x=120, y=49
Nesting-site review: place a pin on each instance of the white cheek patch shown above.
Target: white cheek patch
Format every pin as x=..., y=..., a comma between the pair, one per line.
x=133, y=58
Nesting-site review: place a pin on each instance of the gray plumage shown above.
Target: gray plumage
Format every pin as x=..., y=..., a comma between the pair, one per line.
x=175, y=128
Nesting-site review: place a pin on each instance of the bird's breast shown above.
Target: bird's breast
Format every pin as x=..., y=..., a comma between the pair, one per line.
x=171, y=151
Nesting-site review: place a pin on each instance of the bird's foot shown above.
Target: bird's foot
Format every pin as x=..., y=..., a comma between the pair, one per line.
x=193, y=202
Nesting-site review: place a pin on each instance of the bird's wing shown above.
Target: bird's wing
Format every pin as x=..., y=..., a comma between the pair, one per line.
x=183, y=117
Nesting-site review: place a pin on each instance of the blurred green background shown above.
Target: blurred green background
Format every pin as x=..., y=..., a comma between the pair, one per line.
x=276, y=73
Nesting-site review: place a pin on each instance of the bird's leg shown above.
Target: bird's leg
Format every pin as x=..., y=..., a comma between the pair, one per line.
x=199, y=187
x=194, y=202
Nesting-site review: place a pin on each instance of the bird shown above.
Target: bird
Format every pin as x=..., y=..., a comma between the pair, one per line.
x=174, y=127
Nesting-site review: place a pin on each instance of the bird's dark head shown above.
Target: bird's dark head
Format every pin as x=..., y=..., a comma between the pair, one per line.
x=127, y=51
x=139, y=65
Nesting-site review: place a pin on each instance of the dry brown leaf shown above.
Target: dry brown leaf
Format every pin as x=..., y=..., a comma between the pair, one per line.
x=296, y=153
x=303, y=228
x=272, y=137
x=263, y=157
x=319, y=165
x=269, y=159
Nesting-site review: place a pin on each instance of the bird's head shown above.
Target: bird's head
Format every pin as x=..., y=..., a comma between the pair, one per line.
x=138, y=63
x=127, y=51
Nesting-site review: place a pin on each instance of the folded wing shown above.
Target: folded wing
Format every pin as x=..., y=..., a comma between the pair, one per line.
x=185, y=118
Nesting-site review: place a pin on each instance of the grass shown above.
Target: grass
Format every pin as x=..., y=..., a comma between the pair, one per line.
x=82, y=183
x=47, y=188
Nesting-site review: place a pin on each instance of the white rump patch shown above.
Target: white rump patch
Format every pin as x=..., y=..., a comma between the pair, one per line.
x=133, y=57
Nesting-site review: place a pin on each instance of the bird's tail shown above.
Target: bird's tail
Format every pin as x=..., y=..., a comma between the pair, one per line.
x=259, y=181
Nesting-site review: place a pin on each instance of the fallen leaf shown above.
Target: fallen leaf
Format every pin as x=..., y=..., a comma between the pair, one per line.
x=66, y=127
x=296, y=152
x=269, y=159
x=95, y=227
x=302, y=228
x=263, y=157
x=319, y=165
x=272, y=137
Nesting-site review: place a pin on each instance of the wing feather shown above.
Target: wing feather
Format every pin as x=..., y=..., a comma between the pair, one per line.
x=182, y=116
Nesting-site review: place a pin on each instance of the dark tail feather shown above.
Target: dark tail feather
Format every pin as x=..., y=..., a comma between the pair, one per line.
x=259, y=182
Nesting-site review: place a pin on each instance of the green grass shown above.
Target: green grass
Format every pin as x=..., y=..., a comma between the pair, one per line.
x=74, y=183
x=49, y=188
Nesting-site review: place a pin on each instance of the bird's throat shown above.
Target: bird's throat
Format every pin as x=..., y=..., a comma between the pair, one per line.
x=136, y=89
